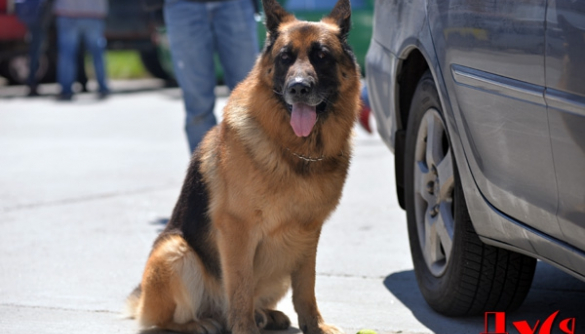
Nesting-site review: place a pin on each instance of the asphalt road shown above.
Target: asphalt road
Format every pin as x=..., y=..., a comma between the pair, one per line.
x=86, y=186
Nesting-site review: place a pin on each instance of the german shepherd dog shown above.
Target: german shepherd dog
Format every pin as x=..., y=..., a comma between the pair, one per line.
x=259, y=188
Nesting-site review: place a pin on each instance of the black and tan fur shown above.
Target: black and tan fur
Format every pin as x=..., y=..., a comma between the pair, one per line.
x=248, y=219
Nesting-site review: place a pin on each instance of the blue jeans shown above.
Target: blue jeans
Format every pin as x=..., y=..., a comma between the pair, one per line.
x=69, y=33
x=196, y=30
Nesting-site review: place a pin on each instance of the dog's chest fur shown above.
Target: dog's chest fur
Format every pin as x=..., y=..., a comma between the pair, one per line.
x=286, y=208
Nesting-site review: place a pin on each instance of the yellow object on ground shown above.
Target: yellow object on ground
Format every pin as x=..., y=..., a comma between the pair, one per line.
x=366, y=331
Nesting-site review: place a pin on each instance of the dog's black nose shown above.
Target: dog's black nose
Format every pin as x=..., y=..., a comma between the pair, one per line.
x=299, y=89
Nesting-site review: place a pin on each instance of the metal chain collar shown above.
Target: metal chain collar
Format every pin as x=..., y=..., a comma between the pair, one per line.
x=309, y=159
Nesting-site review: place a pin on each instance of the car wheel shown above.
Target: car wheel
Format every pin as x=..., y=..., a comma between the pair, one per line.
x=456, y=273
x=16, y=69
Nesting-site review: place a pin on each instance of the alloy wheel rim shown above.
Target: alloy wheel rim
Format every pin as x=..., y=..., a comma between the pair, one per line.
x=433, y=192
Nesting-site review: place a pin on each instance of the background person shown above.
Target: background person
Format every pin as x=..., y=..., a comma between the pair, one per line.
x=196, y=30
x=78, y=19
x=35, y=14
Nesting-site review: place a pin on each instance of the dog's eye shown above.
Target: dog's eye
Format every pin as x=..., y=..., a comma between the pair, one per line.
x=320, y=54
x=286, y=58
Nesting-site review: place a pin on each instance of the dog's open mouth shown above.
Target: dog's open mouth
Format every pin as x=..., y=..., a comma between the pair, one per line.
x=303, y=117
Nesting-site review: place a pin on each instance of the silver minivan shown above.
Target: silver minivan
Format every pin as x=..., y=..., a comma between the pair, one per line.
x=483, y=104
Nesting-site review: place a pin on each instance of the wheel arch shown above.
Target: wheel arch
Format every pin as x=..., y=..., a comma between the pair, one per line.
x=411, y=67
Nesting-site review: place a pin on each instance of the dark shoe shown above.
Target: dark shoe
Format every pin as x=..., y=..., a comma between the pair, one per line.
x=103, y=95
x=84, y=88
x=64, y=97
x=33, y=92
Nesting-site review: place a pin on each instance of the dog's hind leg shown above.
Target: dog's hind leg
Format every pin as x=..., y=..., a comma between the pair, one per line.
x=176, y=292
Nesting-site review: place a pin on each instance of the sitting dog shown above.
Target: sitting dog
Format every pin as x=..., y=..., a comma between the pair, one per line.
x=259, y=188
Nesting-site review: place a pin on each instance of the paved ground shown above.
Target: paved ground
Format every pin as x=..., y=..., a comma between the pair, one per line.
x=86, y=186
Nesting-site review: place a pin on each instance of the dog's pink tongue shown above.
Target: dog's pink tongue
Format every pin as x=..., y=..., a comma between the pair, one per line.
x=303, y=118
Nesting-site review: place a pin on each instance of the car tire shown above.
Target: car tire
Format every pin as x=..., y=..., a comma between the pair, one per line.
x=16, y=69
x=456, y=272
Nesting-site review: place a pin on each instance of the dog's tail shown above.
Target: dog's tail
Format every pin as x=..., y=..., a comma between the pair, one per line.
x=132, y=303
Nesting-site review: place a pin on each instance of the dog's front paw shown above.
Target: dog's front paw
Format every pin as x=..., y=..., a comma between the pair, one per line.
x=271, y=319
x=322, y=329
x=330, y=329
x=261, y=318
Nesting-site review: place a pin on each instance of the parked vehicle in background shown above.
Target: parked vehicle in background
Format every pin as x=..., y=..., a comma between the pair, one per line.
x=483, y=105
x=12, y=40
x=128, y=27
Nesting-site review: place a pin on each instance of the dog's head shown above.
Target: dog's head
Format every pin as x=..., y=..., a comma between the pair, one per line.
x=309, y=64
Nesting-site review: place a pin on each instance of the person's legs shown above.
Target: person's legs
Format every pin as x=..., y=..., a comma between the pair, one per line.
x=191, y=43
x=236, y=38
x=68, y=38
x=95, y=42
x=37, y=35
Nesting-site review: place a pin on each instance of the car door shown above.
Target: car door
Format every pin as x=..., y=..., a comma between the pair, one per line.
x=491, y=54
x=565, y=96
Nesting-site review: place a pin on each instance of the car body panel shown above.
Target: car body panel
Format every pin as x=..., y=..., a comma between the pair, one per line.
x=379, y=63
x=385, y=56
x=12, y=32
x=128, y=26
x=399, y=30
x=497, y=90
x=565, y=97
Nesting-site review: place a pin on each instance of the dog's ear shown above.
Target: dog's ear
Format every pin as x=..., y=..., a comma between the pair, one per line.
x=275, y=15
x=341, y=15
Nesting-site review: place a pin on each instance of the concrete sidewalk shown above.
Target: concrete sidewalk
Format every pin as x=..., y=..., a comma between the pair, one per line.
x=86, y=186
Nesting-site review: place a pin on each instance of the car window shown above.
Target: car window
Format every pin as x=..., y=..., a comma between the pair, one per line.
x=296, y=5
